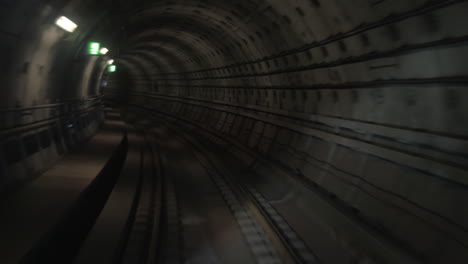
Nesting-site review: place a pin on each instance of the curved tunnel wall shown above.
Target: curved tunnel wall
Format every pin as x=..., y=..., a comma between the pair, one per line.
x=49, y=95
x=41, y=62
x=363, y=99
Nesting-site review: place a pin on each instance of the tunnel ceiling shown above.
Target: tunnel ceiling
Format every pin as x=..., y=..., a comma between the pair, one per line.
x=219, y=33
x=188, y=40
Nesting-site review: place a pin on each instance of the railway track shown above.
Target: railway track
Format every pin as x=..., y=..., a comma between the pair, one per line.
x=154, y=221
x=157, y=232
x=159, y=226
x=286, y=241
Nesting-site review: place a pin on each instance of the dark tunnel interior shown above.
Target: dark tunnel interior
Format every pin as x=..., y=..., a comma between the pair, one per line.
x=237, y=131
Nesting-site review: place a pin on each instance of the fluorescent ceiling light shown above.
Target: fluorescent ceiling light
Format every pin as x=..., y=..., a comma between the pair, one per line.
x=104, y=51
x=66, y=24
x=110, y=62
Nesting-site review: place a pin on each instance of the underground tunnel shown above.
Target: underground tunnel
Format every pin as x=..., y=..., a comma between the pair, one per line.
x=248, y=131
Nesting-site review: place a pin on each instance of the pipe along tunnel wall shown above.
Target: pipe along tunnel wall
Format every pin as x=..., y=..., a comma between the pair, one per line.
x=366, y=100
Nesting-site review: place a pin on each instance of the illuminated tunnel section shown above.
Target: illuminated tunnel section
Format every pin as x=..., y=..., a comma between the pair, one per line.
x=362, y=101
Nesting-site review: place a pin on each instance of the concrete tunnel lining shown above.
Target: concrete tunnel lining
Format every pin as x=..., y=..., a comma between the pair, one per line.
x=364, y=99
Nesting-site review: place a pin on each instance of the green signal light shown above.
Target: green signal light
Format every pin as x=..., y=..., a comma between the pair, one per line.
x=112, y=68
x=94, y=48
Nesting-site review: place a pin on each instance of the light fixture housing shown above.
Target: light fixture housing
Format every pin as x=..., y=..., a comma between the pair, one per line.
x=110, y=62
x=94, y=48
x=66, y=24
x=112, y=68
x=104, y=51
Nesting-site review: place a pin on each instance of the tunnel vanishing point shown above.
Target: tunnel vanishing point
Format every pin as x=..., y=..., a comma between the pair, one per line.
x=235, y=131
